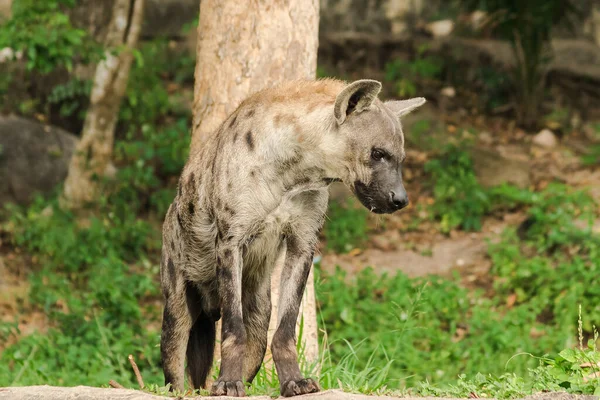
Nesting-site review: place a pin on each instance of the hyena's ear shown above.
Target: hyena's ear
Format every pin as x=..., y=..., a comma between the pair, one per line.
x=355, y=97
x=403, y=107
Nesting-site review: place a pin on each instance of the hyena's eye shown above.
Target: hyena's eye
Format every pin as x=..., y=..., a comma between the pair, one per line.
x=378, y=154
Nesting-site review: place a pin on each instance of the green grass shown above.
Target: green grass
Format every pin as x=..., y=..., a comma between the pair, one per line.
x=346, y=226
x=96, y=279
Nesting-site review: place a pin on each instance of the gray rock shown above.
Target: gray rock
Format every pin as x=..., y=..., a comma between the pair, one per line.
x=34, y=158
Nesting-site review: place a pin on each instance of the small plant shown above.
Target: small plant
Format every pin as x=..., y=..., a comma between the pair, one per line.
x=46, y=37
x=71, y=96
x=460, y=201
x=345, y=227
x=409, y=74
x=528, y=26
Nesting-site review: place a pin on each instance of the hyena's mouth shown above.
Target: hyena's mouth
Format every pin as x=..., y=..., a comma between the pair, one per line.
x=369, y=198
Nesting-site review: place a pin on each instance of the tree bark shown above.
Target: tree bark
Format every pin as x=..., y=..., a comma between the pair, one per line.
x=596, y=23
x=244, y=47
x=92, y=158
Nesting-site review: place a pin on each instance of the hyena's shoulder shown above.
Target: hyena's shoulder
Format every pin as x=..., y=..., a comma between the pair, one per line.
x=294, y=91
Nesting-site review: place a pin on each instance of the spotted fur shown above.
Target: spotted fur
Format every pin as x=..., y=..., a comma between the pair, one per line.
x=255, y=191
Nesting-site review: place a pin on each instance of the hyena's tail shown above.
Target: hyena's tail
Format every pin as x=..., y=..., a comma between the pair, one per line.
x=200, y=350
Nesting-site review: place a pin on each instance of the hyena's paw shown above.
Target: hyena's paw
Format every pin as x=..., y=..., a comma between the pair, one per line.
x=228, y=388
x=295, y=388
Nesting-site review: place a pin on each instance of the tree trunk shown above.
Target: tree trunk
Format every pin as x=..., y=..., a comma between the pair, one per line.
x=92, y=158
x=244, y=47
x=596, y=23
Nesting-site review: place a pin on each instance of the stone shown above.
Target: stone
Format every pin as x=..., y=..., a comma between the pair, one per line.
x=441, y=28
x=545, y=138
x=448, y=91
x=34, y=158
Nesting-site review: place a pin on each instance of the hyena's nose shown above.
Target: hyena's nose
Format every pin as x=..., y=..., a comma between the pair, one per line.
x=399, y=199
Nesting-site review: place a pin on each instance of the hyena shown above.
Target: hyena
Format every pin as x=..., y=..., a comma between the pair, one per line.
x=258, y=188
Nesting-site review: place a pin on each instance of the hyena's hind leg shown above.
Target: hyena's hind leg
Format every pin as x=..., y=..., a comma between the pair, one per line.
x=256, y=304
x=178, y=317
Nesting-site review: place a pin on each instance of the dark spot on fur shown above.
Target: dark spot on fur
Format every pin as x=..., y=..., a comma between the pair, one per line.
x=235, y=135
x=329, y=181
x=232, y=123
x=169, y=320
x=193, y=300
x=191, y=208
x=179, y=220
x=229, y=210
x=172, y=245
x=291, y=162
x=224, y=227
x=229, y=185
x=250, y=140
x=252, y=173
x=307, y=267
x=171, y=268
x=227, y=253
x=293, y=247
x=224, y=273
x=250, y=113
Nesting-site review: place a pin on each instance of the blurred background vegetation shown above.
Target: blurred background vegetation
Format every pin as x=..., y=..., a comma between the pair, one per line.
x=488, y=284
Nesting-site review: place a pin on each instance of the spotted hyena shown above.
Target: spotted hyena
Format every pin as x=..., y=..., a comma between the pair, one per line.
x=258, y=188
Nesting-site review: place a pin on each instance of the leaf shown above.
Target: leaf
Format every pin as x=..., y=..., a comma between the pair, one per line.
x=569, y=355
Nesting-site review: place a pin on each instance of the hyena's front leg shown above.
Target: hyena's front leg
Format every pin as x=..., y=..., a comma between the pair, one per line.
x=233, y=333
x=294, y=275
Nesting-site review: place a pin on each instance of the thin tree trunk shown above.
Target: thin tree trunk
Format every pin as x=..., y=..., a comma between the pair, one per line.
x=92, y=158
x=244, y=47
x=596, y=23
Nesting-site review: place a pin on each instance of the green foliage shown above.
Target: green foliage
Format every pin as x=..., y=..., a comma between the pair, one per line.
x=431, y=329
x=578, y=369
x=46, y=36
x=409, y=74
x=495, y=87
x=71, y=96
x=346, y=226
x=528, y=26
x=149, y=157
x=147, y=99
x=95, y=277
x=93, y=280
x=559, y=246
x=460, y=201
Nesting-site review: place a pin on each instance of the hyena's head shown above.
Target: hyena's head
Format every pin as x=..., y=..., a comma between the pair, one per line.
x=374, y=144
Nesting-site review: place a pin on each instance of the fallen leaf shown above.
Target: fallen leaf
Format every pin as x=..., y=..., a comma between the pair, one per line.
x=355, y=252
x=511, y=300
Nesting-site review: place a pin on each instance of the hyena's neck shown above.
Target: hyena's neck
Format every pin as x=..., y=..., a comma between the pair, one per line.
x=312, y=147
